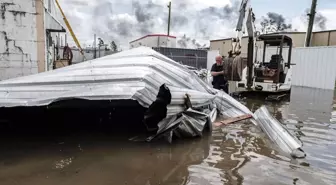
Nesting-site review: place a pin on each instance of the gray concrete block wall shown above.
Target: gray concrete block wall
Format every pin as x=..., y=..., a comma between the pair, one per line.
x=18, y=46
x=89, y=54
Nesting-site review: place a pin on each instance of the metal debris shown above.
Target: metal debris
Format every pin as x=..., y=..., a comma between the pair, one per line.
x=137, y=74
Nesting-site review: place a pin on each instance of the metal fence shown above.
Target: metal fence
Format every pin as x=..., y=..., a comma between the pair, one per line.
x=192, y=57
x=315, y=67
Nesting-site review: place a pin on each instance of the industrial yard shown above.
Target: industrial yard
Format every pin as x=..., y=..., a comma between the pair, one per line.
x=107, y=92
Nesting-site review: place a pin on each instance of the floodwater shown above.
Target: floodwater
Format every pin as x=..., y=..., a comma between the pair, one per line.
x=234, y=154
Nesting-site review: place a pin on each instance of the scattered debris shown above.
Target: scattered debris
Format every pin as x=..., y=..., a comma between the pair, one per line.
x=233, y=120
x=278, y=134
x=178, y=102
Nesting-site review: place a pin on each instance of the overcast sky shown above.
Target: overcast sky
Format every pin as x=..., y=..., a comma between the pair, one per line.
x=202, y=20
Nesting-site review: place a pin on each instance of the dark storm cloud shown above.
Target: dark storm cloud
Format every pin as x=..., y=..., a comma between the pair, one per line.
x=227, y=12
x=319, y=21
x=185, y=42
x=148, y=14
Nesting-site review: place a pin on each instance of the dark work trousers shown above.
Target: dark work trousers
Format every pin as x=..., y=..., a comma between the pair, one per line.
x=224, y=87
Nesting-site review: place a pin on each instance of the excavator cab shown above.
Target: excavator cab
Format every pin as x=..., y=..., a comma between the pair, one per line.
x=274, y=66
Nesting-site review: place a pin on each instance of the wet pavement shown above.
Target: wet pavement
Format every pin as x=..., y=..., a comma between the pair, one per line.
x=235, y=154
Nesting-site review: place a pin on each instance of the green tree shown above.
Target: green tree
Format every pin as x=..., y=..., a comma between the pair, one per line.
x=114, y=47
x=274, y=23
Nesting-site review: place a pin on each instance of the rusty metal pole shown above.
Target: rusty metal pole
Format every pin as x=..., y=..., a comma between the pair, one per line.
x=311, y=23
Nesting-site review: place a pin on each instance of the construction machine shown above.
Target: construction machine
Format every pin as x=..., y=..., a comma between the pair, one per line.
x=270, y=75
x=70, y=29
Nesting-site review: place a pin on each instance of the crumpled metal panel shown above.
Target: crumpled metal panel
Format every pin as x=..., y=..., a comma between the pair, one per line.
x=229, y=106
x=189, y=123
x=263, y=119
x=278, y=134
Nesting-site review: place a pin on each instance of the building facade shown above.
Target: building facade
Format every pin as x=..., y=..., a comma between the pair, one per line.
x=154, y=40
x=89, y=54
x=322, y=38
x=27, y=32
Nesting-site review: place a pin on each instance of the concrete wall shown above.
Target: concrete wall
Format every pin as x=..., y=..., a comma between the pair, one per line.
x=18, y=38
x=320, y=39
x=327, y=38
x=88, y=53
x=23, y=25
x=332, y=39
x=220, y=45
x=154, y=41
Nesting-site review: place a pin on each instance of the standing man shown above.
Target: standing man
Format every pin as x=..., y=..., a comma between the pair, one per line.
x=217, y=72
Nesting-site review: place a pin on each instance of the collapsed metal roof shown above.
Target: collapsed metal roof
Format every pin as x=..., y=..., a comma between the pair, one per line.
x=137, y=74
x=134, y=74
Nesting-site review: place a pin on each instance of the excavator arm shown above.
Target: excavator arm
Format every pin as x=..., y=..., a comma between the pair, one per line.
x=246, y=16
x=245, y=13
x=70, y=29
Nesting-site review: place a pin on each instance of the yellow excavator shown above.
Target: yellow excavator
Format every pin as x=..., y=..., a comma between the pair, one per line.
x=70, y=29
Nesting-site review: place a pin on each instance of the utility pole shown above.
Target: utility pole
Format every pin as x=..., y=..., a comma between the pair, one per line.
x=101, y=43
x=311, y=16
x=169, y=6
x=94, y=47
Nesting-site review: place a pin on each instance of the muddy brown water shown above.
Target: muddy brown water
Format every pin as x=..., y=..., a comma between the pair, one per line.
x=235, y=154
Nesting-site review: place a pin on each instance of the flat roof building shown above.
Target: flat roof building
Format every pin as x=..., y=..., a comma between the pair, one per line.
x=321, y=38
x=154, y=40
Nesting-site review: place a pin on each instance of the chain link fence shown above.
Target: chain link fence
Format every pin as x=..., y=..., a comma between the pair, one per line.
x=196, y=58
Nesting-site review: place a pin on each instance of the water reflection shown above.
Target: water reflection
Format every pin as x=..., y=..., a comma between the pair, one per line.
x=234, y=154
x=102, y=160
x=247, y=158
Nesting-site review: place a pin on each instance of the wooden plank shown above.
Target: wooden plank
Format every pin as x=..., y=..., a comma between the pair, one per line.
x=61, y=63
x=233, y=120
x=275, y=97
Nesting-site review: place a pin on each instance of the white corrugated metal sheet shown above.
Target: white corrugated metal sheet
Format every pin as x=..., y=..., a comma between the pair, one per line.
x=315, y=66
x=133, y=74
